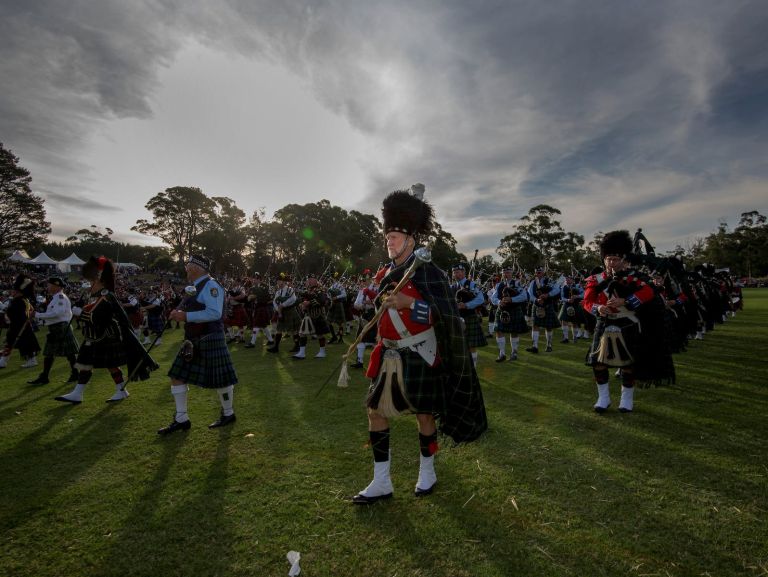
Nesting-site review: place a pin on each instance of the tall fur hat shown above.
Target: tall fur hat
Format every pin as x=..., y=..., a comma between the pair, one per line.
x=616, y=243
x=25, y=285
x=407, y=212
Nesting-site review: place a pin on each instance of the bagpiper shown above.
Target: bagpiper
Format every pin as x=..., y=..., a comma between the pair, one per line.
x=469, y=299
x=20, y=334
x=510, y=298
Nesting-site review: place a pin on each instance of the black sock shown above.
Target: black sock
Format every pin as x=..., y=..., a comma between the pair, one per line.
x=428, y=444
x=47, y=364
x=380, y=444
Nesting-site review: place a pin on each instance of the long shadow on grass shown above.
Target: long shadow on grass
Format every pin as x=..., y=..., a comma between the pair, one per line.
x=177, y=517
x=52, y=467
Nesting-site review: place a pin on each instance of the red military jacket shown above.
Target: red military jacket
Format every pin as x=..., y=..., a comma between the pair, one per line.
x=596, y=296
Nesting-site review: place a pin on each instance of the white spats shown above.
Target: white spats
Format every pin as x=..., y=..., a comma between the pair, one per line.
x=535, y=338
x=360, y=352
x=3, y=362
x=179, y=393
x=120, y=393
x=225, y=396
x=603, y=397
x=427, y=476
x=501, y=342
x=29, y=363
x=76, y=395
x=302, y=354
x=381, y=484
x=627, y=399
x=321, y=353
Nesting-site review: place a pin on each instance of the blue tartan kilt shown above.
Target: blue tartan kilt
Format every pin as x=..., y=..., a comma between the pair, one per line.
x=424, y=386
x=571, y=316
x=548, y=321
x=512, y=320
x=60, y=341
x=289, y=321
x=337, y=315
x=211, y=364
x=106, y=353
x=473, y=329
x=155, y=323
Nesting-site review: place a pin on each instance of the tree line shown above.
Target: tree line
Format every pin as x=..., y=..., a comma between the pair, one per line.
x=317, y=238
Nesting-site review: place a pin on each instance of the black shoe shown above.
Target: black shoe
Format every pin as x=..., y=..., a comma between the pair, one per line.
x=549, y=348
x=223, y=421
x=250, y=346
x=361, y=499
x=424, y=492
x=623, y=410
x=501, y=358
x=601, y=410
x=295, y=358
x=65, y=400
x=512, y=357
x=40, y=380
x=175, y=426
x=534, y=350
x=566, y=341
x=357, y=365
x=272, y=350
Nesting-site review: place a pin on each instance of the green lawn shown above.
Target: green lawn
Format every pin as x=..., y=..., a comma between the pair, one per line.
x=679, y=487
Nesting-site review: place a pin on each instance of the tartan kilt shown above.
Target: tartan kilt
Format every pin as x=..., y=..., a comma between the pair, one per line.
x=548, y=321
x=337, y=315
x=425, y=386
x=262, y=315
x=289, y=321
x=576, y=318
x=473, y=329
x=515, y=324
x=630, y=331
x=155, y=323
x=107, y=353
x=136, y=318
x=60, y=341
x=237, y=318
x=370, y=336
x=321, y=325
x=211, y=365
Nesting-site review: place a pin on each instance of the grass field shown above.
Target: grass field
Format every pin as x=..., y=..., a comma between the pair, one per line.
x=679, y=487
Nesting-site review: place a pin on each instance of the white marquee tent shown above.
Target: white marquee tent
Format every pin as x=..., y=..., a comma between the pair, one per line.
x=19, y=256
x=72, y=260
x=43, y=259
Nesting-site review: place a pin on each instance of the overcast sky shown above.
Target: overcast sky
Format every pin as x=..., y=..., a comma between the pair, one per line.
x=621, y=114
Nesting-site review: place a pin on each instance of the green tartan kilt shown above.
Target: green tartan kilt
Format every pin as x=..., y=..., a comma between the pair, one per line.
x=289, y=321
x=210, y=367
x=61, y=341
x=548, y=321
x=107, y=353
x=473, y=327
x=337, y=315
x=576, y=318
x=424, y=385
x=513, y=322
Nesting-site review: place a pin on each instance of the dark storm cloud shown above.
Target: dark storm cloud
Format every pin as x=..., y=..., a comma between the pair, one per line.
x=497, y=106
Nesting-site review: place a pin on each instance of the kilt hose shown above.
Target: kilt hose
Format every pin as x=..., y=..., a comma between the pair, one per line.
x=211, y=364
x=106, y=353
x=548, y=320
x=425, y=386
x=60, y=341
x=289, y=321
x=473, y=327
x=511, y=320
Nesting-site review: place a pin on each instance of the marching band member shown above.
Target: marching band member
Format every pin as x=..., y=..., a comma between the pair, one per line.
x=509, y=297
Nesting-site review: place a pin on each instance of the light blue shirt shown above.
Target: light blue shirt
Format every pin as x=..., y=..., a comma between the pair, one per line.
x=212, y=296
